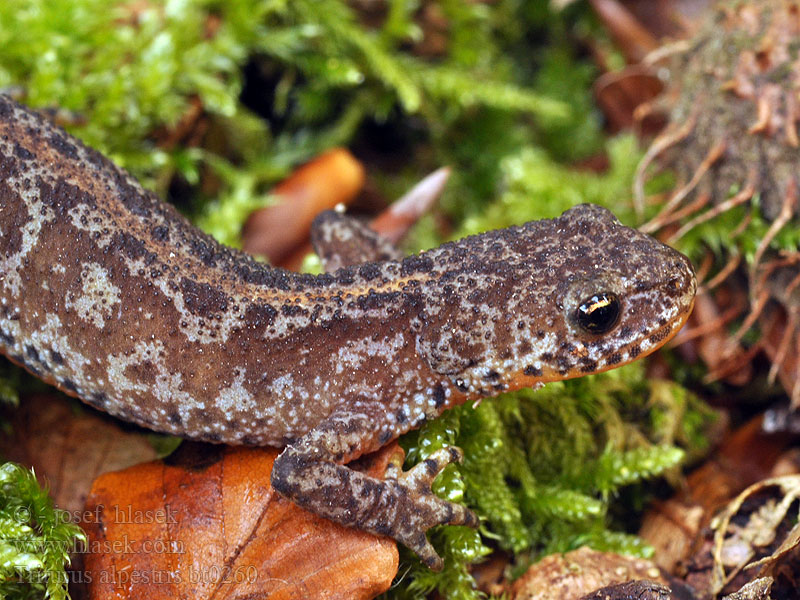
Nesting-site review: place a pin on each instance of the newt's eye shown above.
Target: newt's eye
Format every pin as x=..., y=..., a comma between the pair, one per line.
x=598, y=313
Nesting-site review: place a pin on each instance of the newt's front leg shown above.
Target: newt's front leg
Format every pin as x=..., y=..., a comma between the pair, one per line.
x=402, y=506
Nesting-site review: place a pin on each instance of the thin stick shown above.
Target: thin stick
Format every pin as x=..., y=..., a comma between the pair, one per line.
x=668, y=138
x=740, y=198
x=709, y=326
x=783, y=349
x=729, y=268
x=692, y=207
x=713, y=155
x=705, y=267
x=755, y=311
x=741, y=227
x=787, y=210
x=726, y=369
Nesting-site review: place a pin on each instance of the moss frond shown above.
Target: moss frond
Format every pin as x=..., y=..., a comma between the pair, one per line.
x=614, y=469
x=542, y=467
x=35, y=538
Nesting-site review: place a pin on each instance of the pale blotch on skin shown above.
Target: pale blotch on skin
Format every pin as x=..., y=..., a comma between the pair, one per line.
x=166, y=384
x=235, y=397
x=98, y=298
x=354, y=353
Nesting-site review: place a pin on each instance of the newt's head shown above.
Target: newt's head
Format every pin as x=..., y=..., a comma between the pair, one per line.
x=552, y=300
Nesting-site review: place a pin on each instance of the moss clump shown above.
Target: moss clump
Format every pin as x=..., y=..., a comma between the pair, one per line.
x=35, y=538
x=158, y=86
x=542, y=468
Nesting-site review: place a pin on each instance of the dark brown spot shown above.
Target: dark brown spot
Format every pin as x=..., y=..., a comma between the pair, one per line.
x=23, y=152
x=20, y=360
x=68, y=385
x=401, y=416
x=160, y=233
x=205, y=250
x=6, y=338
x=140, y=202
x=438, y=396
x=144, y=372
x=60, y=143
x=660, y=335
x=132, y=247
x=13, y=215
x=259, y=316
x=32, y=353
x=369, y=271
x=203, y=299
x=491, y=376
x=98, y=400
x=532, y=371
x=416, y=264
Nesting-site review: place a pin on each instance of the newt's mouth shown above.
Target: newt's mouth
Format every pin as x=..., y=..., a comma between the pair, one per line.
x=682, y=287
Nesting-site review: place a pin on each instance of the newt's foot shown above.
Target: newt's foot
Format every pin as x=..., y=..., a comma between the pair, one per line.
x=419, y=509
x=401, y=506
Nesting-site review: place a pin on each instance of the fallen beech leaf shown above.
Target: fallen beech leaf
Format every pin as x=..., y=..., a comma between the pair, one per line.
x=69, y=448
x=395, y=221
x=766, y=515
x=332, y=178
x=205, y=523
x=580, y=572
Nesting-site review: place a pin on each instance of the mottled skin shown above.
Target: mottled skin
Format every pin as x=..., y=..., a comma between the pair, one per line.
x=113, y=297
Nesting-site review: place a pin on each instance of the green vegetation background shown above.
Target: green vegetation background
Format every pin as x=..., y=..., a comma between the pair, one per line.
x=507, y=103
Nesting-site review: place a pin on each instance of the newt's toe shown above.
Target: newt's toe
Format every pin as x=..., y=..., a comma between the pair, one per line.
x=421, y=476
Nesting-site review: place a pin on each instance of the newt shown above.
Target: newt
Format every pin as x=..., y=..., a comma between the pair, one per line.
x=112, y=296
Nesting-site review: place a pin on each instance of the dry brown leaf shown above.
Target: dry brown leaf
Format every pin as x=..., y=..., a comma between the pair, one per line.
x=206, y=524
x=69, y=446
x=580, y=572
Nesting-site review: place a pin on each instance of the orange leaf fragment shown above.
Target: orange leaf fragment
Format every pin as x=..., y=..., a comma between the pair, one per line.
x=205, y=523
x=334, y=177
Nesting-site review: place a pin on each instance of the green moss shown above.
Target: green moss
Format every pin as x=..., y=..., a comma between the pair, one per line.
x=35, y=538
x=129, y=74
x=542, y=468
x=534, y=186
